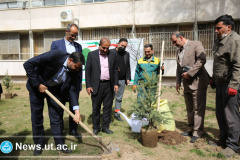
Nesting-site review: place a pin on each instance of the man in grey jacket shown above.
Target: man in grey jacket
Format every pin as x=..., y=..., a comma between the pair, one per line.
x=226, y=77
x=191, y=59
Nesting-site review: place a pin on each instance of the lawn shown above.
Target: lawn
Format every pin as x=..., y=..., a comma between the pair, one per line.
x=15, y=126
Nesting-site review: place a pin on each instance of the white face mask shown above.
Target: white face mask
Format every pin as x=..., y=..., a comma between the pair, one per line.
x=225, y=34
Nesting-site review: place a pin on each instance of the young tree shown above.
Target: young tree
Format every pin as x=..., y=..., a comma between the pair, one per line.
x=7, y=82
x=147, y=98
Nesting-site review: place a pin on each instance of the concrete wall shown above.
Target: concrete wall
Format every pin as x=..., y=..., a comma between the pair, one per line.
x=147, y=12
x=14, y=68
x=209, y=10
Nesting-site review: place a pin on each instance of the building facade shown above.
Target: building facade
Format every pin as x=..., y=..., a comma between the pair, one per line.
x=28, y=27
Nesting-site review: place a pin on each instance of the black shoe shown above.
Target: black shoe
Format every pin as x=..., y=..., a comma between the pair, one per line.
x=194, y=138
x=96, y=131
x=75, y=134
x=218, y=143
x=37, y=152
x=117, y=117
x=106, y=130
x=66, y=150
x=186, y=134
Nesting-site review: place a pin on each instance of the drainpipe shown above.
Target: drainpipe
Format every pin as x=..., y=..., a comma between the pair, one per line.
x=30, y=30
x=196, y=24
x=79, y=32
x=133, y=26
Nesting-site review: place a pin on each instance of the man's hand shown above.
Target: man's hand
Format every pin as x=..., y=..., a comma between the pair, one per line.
x=89, y=90
x=42, y=88
x=232, y=92
x=134, y=88
x=128, y=81
x=116, y=89
x=185, y=75
x=77, y=116
x=178, y=88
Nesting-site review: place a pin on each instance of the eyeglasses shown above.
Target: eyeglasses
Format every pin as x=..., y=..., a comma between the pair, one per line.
x=73, y=35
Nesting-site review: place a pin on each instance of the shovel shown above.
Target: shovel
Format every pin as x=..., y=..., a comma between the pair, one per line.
x=80, y=123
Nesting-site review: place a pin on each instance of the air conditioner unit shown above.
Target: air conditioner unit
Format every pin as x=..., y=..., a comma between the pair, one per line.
x=66, y=16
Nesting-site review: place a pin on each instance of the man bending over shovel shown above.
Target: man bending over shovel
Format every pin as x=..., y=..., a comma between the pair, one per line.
x=56, y=71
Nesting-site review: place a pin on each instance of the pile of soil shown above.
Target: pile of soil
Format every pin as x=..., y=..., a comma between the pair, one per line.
x=171, y=138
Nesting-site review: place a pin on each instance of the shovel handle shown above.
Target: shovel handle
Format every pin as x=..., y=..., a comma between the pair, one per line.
x=73, y=116
x=160, y=78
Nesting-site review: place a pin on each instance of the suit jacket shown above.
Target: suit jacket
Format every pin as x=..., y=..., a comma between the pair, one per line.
x=93, y=70
x=43, y=67
x=126, y=62
x=195, y=58
x=60, y=45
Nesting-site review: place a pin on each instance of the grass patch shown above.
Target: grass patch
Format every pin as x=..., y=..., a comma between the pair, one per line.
x=119, y=154
x=19, y=124
x=198, y=152
x=176, y=149
x=214, y=154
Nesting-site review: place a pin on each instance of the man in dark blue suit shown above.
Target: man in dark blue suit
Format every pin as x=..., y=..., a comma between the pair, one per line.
x=56, y=71
x=67, y=44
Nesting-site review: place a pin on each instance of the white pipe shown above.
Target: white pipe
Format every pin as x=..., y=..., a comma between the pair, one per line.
x=133, y=26
x=30, y=29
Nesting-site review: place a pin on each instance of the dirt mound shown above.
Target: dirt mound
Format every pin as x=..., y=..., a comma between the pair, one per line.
x=171, y=138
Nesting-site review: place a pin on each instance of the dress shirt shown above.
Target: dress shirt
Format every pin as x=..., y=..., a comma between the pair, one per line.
x=182, y=52
x=104, y=67
x=69, y=46
x=60, y=77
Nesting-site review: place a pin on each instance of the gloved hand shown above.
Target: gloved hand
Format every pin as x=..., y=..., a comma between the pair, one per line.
x=134, y=88
x=232, y=92
x=212, y=83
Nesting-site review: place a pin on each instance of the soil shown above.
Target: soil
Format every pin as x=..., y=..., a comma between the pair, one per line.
x=171, y=138
x=149, y=138
x=126, y=152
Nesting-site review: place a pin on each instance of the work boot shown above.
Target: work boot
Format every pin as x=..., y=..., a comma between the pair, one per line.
x=227, y=152
x=117, y=117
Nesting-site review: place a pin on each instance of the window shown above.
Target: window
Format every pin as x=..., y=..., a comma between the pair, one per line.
x=54, y=2
x=92, y=1
x=37, y=3
x=69, y=2
x=3, y=5
x=9, y=46
x=50, y=36
x=24, y=46
x=38, y=43
x=12, y=5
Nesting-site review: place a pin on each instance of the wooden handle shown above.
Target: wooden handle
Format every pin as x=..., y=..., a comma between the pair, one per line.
x=73, y=116
x=160, y=78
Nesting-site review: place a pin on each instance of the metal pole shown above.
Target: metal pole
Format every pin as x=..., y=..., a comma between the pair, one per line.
x=195, y=24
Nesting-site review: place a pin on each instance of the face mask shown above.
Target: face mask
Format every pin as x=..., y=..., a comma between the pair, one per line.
x=121, y=50
x=225, y=34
